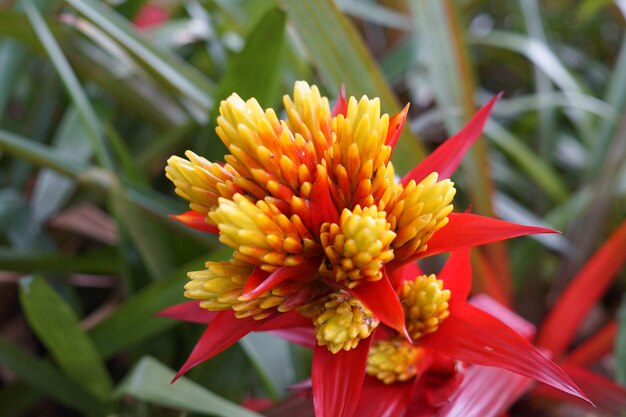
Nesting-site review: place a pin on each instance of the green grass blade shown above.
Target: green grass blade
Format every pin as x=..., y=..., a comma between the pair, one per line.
x=547, y=118
x=148, y=237
x=150, y=381
x=76, y=92
x=48, y=379
x=616, y=97
x=12, y=56
x=135, y=320
x=54, y=262
x=253, y=72
x=533, y=166
x=272, y=361
x=52, y=189
x=17, y=398
x=38, y=154
x=59, y=330
x=164, y=65
x=452, y=81
x=340, y=56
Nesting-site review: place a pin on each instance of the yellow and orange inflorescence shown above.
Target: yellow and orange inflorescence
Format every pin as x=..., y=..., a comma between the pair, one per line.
x=315, y=190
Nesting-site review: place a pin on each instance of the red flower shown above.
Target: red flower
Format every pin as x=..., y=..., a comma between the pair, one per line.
x=318, y=221
x=476, y=398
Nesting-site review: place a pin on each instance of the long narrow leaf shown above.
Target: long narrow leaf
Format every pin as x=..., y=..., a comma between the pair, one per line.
x=149, y=381
x=166, y=66
x=86, y=112
x=59, y=330
x=48, y=379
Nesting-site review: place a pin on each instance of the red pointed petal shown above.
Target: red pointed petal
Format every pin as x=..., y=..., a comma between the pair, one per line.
x=288, y=320
x=196, y=221
x=256, y=278
x=341, y=106
x=189, y=311
x=382, y=300
x=520, y=325
x=447, y=157
x=473, y=336
x=303, y=336
x=582, y=293
x=485, y=392
x=299, y=273
x=337, y=379
x=466, y=230
x=457, y=275
x=383, y=400
x=606, y=395
x=225, y=330
x=595, y=347
x=322, y=208
x=403, y=273
x=488, y=279
x=396, y=123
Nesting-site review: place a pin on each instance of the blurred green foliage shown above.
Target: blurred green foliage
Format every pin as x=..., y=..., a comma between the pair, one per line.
x=91, y=106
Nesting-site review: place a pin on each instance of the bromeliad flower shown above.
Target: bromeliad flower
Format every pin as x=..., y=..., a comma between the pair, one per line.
x=417, y=376
x=317, y=220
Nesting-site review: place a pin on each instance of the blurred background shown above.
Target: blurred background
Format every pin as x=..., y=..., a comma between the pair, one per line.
x=96, y=95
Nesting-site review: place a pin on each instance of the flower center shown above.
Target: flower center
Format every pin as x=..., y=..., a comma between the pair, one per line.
x=357, y=247
x=425, y=304
x=393, y=360
x=342, y=322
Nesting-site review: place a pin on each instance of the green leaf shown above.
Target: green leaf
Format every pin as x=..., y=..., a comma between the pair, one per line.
x=31, y=260
x=51, y=189
x=150, y=381
x=38, y=154
x=17, y=398
x=340, y=56
x=79, y=98
x=148, y=237
x=272, y=361
x=135, y=319
x=59, y=330
x=620, y=344
x=616, y=97
x=12, y=56
x=254, y=71
x=166, y=66
x=541, y=173
x=48, y=379
x=450, y=75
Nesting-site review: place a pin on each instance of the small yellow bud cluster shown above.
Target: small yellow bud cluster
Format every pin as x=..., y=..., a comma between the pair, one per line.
x=358, y=151
x=220, y=286
x=342, y=322
x=425, y=304
x=393, y=360
x=261, y=234
x=201, y=182
x=420, y=210
x=358, y=247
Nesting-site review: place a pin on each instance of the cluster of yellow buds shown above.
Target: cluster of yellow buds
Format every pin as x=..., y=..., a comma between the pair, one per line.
x=425, y=304
x=393, y=360
x=342, y=321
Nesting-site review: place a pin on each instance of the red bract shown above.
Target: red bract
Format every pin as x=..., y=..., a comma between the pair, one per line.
x=557, y=333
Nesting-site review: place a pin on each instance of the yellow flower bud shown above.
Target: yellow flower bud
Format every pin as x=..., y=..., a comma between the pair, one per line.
x=425, y=304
